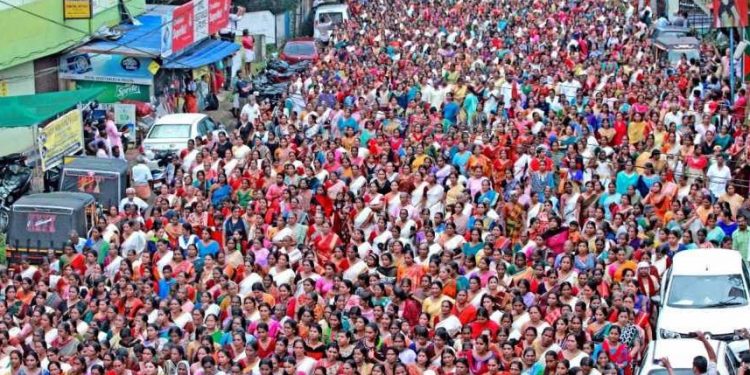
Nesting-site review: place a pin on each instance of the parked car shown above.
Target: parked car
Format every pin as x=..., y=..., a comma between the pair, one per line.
x=172, y=132
x=706, y=290
x=300, y=49
x=682, y=351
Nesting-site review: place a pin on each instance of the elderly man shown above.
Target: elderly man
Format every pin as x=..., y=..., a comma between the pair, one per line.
x=142, y=178
x=131, y=198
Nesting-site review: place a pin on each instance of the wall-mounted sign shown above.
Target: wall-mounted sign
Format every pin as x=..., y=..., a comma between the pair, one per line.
x=106, y=68
x=191, y=22
x=59, y=138
x=130, y=64
x=115, y=92
x=77, y=9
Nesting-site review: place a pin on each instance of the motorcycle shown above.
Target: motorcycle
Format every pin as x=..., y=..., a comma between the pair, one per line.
x=4, y=215
x=15, y=181
x=15, y=177
x=160, y=167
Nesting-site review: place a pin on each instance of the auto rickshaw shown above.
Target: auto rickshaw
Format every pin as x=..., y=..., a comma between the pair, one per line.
x=105, y=179
x=43, y=222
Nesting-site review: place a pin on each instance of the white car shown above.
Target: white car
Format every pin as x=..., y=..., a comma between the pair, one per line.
x=172, y=132
x=704, y=290
x=681, y=352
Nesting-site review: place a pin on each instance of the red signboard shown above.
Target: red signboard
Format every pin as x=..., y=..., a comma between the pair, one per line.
x=729, y=13
x=218, y=15
x=191, y=23
x=182, y=26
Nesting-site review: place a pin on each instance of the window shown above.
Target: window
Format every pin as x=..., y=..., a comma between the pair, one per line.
x=210, y=124
x=714, y=291
x=163, y=131
x=335, y=17
x=731, y=367
x=41, y=223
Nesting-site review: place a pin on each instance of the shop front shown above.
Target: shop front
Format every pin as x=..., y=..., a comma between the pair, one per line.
x=169, y=58
x=119, y=77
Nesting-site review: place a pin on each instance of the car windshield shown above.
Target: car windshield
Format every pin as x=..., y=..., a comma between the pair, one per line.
x=707, y=291
x=334, y=17
x=676, y=55
x=160, y=131
x=299, y=49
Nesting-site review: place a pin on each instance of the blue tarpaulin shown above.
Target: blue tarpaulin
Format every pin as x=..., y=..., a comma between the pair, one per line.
x=207, y=52
x=142, y=40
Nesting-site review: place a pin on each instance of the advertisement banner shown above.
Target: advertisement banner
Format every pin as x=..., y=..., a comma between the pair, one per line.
x=60, y=138
x=166, y=34
x=218, y=15
x=183, y=25
x=730, y=13
x=106, y=68
x=115, y=92
x=191, y=23
x=200, y=10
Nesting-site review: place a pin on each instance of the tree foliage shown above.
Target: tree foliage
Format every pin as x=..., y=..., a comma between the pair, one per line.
x=275, y=6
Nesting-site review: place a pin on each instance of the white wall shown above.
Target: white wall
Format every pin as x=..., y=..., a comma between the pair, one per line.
x=13, y=140
x=18, y=80
x=280, y=29
x=259, y=23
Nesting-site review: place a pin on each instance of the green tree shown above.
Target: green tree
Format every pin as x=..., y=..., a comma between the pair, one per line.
x=274, y=6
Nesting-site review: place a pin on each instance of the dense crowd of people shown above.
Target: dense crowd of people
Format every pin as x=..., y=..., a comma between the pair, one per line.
x=455, y=187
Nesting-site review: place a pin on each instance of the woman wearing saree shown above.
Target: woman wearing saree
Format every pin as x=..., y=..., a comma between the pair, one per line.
x=657, y=199
x=475, y=244
x=181, y=265
x=362, y=215
x=434, y=195
x=589, y=197
x=450, y=240
x=599, y=327
x=570, y=203
x=618, y=267
x=325, y=242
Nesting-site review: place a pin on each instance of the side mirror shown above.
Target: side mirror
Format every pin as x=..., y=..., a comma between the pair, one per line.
x=656, y=300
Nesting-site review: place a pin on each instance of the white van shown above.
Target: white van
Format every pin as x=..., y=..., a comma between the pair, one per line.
x=326, y=16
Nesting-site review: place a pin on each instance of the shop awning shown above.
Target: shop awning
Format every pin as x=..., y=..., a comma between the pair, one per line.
x=29, y=110
x=207, y=52
x=142, y=40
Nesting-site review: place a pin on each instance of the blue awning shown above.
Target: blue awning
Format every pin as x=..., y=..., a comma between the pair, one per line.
x=142, y=40
x=207, y=52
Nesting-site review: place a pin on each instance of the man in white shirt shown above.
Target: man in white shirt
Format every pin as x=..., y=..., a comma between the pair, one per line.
x=674, y=116
x=130, y=198
x=719, y=176
x=427, y=90
x=569, y=87
x=438, y=95
x=252, y=109
x=142, y=178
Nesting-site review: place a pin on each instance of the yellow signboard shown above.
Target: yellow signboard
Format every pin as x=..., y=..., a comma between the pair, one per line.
x=3, y=88
x=77, y=9
x=60, y=138
x=153, y=67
